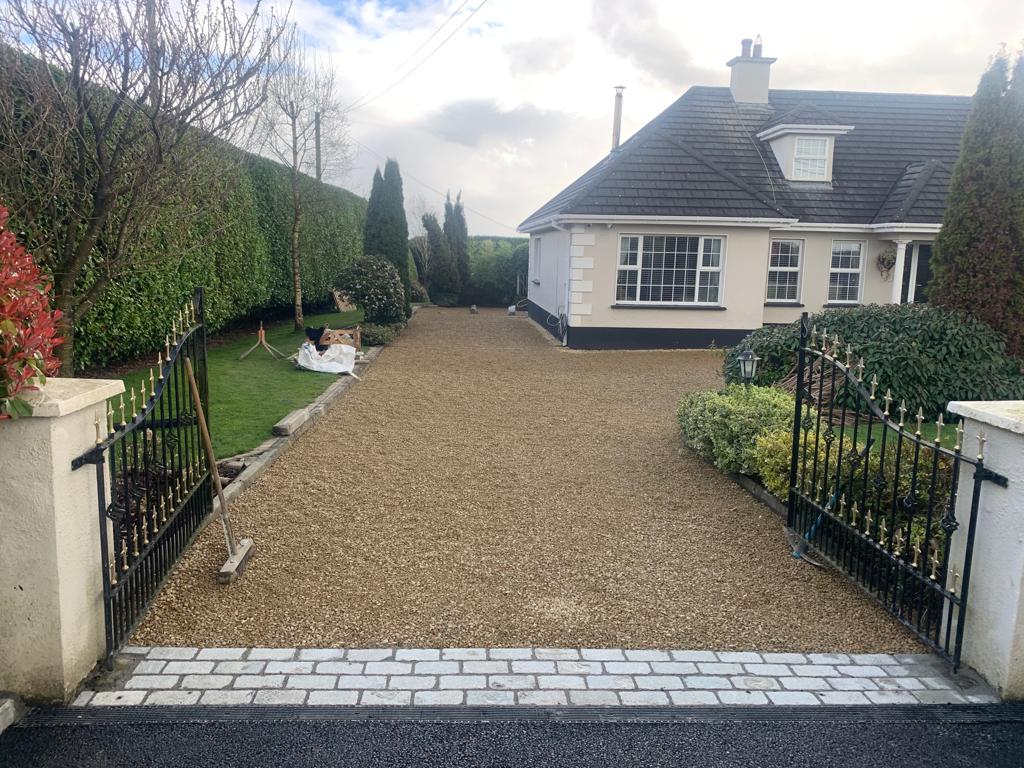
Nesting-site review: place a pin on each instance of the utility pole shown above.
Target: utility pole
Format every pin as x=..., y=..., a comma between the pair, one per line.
x=316, y=131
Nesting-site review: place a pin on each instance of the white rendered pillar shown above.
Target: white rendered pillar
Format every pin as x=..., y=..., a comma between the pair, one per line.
x=897, y=271
x=51, y=589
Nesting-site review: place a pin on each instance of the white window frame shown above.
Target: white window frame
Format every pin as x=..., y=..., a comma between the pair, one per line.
x=799, y=269
x=846, y=270
x=535, y=260
x=823, y=157
x=701, y=269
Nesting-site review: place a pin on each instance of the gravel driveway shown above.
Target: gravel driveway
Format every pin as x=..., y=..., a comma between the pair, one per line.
x=483, y=487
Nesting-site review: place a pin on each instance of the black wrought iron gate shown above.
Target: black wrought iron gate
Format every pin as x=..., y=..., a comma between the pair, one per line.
x=877, y=498
x=149, y=460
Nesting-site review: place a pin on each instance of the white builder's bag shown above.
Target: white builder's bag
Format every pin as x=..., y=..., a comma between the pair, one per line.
x=337, y=358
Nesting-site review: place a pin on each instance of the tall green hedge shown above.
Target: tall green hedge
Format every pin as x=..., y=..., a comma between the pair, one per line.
x=236, y=247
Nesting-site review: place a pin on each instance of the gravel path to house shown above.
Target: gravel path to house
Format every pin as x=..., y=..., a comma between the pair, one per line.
x=483, y=487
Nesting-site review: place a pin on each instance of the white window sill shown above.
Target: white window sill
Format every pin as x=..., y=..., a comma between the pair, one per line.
x=656, y=305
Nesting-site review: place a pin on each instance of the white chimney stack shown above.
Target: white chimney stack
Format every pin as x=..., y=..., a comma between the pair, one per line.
x=750, y=73
x=617, y=119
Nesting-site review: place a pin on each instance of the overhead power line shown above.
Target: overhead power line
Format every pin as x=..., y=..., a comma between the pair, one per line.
x=359, y=104
x=424, y=184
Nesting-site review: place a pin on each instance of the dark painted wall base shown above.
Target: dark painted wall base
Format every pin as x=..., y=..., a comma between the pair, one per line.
x=543, y=318
x=653, y=338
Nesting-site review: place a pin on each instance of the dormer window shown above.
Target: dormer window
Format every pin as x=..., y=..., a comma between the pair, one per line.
x=810, y=158
x=804, y=150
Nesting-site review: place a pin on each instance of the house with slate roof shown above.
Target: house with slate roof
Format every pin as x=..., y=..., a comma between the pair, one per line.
x=743, y=206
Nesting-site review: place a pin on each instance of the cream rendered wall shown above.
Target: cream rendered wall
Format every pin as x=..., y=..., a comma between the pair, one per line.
x=817, y=256
x=595, y=253
x=547, y=286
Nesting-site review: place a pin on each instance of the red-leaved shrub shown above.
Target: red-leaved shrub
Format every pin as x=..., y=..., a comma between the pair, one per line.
x=28, y=327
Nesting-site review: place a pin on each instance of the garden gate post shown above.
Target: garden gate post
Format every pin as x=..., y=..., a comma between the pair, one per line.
x=994, y=623
x=51, y=591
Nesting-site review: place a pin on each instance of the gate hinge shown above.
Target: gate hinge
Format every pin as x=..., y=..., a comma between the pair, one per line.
x=94, y=456
x=984, y=473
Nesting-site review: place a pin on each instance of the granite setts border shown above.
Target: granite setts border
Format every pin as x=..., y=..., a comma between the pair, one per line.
x=527, y=676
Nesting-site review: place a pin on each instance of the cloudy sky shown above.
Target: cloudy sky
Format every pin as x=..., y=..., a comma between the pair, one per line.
x=517, y=100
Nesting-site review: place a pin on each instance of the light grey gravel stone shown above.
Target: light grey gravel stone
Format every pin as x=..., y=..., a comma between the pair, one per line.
x=259, y=681
x=82, y=699
x=561, y=681
x=852, y=684
x=593, y=698
x=135, y=650
x=339, y=668
x=872, y=658
x=534, y=667
x=801, y=698
x=628, y=667
x=742, y=698
x=937, y=683
x=309, y=682
x=542, y=698
x=321, y=654
x=117, y=698
x=228, y=697
x=279, y=697
x=221, y=654
x=580, y=668
x=438, y=698
x=784, y=658
x=828, y=658
x=289, y=667
x=556, y=654
x=674, y=667
x=804, y=683
x=605, y=682
x=462, y=681
x=772, y=670
x=172, y=653
x=464, y=654
x=417, y=654
x=375, y=682
x=207, y=682
x=843, y=697
x=709, y=682
x=659, y=682
x=508, y=654
x=150, y=682
x=602, y=654
x=511, y=682
x=720, y=668
x=369, y=654
x=335, y=698
x=940, y=697
x=740, y=657
x=412, y=682
x=693, y=698
x=899, y=684
x=693, y=656
x=485, y=667
x=648, y=655
x=816, y=670
x=173, y=698
x=149, y=667
x=891, y=697
x=982, y=698
x=490, y=698
x=866, y=670
x=643, y=698
x=436, y=668
x=272, y=654
x=243, y=667
x=388, y=668
x=187, y=668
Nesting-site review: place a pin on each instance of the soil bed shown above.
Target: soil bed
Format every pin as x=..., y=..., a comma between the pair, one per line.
x=484, y=487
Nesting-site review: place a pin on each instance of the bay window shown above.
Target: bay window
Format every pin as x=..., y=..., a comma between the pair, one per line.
x=670, y=269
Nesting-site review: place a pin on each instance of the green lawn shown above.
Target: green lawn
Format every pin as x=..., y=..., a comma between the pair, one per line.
x=247, y=397
x=927, y=433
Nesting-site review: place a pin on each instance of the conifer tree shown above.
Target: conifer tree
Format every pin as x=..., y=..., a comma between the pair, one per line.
x=457, y=234
x=386, y=232
x=978, y=262
x=443, y=272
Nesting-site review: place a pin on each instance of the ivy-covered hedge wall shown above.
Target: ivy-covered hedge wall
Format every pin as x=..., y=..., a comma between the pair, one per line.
x=235, y=246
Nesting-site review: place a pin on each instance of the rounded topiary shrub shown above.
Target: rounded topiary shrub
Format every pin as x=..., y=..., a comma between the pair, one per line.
x=724, y=426
x=373, y=284
x=925, y=354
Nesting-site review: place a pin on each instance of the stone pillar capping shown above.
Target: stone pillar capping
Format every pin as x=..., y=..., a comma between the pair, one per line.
x=994, y=636
x=51, y=588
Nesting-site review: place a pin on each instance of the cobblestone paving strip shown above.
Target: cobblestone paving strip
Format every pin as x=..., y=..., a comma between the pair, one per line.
x=481, y=486
x=488, y=676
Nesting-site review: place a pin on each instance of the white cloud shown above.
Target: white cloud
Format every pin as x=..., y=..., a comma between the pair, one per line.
x=518, y=103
